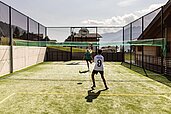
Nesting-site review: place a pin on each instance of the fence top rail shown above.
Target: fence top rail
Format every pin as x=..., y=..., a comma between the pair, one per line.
x=4, y=4
x=87, y=27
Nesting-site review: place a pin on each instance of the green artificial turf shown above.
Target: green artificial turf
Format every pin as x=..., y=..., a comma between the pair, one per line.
x=59, y=88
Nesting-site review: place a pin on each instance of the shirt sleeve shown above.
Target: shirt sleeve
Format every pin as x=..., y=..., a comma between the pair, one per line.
x=103, y=59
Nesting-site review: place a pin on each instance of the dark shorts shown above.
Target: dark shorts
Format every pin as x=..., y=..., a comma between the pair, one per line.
x=96, y=72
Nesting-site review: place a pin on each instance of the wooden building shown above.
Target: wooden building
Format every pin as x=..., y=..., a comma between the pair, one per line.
x=160, y=27
x=83, y=36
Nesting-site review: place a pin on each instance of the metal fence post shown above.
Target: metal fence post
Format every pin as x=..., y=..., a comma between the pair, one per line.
x=130, y=45
x=162, y=56
x=11, y=40
x=46, y=36
x=38, y=29
x=71, y=41
x=142, y=45
x=28, y=27
x=123, y=53
x=97, y=39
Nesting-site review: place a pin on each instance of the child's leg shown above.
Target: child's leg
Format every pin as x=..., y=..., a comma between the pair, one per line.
x=92, y=76
x=90, y=61
x=87, y=64
x=104, y=81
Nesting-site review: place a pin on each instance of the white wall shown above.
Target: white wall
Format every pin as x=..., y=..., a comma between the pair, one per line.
x=4, y=60
x=22, y=57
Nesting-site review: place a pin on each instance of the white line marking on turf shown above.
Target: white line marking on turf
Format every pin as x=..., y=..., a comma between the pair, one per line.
x=112, y=94
x=167, y=97
x=7, y=98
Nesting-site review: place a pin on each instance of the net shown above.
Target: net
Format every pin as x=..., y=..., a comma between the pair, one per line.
x=149, y=42
x=160, y=42
x=69, y=44
x=52, y=43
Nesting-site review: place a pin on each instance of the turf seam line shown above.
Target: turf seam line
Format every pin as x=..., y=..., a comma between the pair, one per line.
x=7, y=98
x=32, y=79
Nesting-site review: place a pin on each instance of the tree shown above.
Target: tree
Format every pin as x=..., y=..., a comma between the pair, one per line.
x=24, y=36
x=16, y=33
x=46, y=38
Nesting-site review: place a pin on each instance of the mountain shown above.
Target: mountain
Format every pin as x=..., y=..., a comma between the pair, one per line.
x=118, y=36
x=112, y=36
x=4, y=29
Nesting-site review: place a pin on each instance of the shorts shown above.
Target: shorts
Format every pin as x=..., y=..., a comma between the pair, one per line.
x=88, y=60
x=96, y=72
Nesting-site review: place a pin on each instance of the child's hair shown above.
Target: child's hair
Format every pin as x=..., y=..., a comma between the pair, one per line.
x=99, y=51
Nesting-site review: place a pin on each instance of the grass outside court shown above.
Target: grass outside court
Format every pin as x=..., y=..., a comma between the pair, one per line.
x=59, y=88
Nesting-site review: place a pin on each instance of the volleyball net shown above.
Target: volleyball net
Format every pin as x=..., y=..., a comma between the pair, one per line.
x=160, y=42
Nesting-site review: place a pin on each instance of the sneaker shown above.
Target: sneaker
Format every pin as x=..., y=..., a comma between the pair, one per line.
x=93, y=87
x=106, y=88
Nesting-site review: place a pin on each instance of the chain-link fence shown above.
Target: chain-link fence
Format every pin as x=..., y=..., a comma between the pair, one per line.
x=76, y=40
x=150, y=51
x=15, y=27
x=150, y=27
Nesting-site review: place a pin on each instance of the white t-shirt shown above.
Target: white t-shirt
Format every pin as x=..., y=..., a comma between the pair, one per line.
x=98, y=59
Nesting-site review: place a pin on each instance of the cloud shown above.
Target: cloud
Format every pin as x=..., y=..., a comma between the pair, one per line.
x=115, y=20
x=93, y=22
x=122, y=20
x=149, y=9
x=126, y=3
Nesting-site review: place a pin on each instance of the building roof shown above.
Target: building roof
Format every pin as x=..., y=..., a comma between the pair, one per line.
x=90, y=35
x=154, y=30
x=84, y=35
x=84, y=32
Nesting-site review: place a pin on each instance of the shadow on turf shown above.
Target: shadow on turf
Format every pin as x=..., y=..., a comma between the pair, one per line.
x=92, y=95
x=73, y=63
x=166, y=80
x=81, y=72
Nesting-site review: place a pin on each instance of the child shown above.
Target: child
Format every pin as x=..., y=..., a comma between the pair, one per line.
x=98, y=59
x=88, y=58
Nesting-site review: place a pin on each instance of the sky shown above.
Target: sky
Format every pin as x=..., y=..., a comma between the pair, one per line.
x=84, y=12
